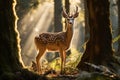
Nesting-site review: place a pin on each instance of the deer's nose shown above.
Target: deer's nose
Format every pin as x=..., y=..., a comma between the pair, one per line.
x=71, y=21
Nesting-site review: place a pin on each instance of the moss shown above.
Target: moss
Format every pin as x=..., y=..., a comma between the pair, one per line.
x=94, y=76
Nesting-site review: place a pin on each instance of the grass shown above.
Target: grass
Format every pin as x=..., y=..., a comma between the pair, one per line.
x=116, y=39
x=71, y=62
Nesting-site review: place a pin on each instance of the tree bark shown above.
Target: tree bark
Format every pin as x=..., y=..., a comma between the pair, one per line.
x=99, y=47
x=11, y=66
x=9, y=50
x=57, y=15
x=86, y=22
x=118, y=2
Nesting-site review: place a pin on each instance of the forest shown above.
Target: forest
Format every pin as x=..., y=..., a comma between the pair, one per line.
x=60, y=39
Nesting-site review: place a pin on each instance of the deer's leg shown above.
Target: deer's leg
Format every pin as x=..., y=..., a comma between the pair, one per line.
x=63, y=56
x=64, y=60
x=41, y=52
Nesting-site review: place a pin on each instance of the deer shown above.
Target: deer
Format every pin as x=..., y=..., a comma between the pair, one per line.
x=58, y=41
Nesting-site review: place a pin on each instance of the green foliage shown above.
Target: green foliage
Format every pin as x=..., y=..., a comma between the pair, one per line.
x=74, y=58
x=71, y=62
x=55, y=64
x=116, y=39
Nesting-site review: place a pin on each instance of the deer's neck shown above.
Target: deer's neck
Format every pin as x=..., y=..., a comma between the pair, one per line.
x=69, y=33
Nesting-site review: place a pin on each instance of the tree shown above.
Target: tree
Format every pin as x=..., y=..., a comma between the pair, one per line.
x=99, y=47
x=67, y=6
x=11, y=66
x=118, y=2
x=9, y=49
x=57, y=15
x=86, y=21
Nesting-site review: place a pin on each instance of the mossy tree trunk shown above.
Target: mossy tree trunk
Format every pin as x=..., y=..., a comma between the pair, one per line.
x=99, y=47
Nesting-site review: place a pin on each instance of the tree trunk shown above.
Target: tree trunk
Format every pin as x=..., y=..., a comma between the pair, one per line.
x=11, y=67
x=9, y=50
x=87, y=30
x=118, y=53
x=57, y=15
x=67, y=6
x=99, y=47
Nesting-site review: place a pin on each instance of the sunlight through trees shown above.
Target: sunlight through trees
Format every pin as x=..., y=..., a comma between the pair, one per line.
x=41, y=19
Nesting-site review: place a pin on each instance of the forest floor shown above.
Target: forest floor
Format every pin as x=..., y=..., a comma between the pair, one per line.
x=25, y=74
x=99, y=72
x=83, y=75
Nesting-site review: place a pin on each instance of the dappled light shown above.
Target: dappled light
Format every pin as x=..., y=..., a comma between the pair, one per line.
x=34, y=22
x=39, y=20
x=60, y=40
x=70, y=68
